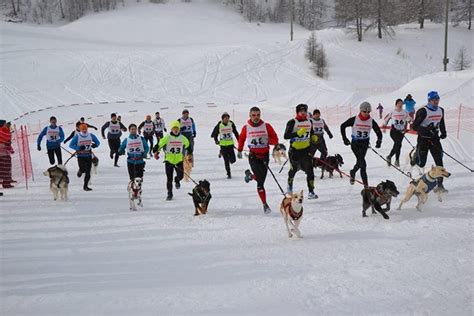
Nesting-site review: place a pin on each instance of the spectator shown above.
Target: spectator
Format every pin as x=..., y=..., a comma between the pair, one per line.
x=6, y=151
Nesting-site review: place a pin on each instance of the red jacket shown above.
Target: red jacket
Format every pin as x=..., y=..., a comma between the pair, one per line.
x=259, y=152
x=5, y=140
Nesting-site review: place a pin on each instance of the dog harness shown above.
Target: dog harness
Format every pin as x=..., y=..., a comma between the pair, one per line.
x=63, y=177
x=294, y=216
x=134, y=190
x=430, y=185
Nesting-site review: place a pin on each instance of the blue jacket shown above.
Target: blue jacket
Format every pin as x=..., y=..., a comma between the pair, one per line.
x=51, y=144
x=75, y=146
x=134, y=158
x=410, y=105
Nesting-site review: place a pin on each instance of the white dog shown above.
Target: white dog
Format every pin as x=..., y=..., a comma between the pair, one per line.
x=59, y=181
x=292, y=210
x=423, y=185
x=135, y=193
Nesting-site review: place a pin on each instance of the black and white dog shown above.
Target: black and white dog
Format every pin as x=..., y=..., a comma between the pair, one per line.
x=329, y=164
x=95, y=163
x=375, y=197
x=135, y=193
x=201, y=197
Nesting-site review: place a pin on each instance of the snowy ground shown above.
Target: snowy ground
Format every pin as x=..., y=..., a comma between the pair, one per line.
x=92, y=256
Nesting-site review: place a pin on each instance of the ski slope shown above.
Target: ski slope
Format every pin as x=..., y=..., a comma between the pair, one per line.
x=92, y=256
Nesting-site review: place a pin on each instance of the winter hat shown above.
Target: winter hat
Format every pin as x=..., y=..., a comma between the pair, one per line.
x=433, y=95
x=132, y=125
x=174, y=124
x=224, y=115
x=316, y=111
x=2, y=122
x=301, y=107
x=185, y=111
x=83, y=127
x=365, y=107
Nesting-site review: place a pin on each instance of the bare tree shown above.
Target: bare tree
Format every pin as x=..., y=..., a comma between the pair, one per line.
x=463, y=60
x=463, y=12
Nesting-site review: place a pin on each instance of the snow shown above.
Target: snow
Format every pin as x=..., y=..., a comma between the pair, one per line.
x=91, y=255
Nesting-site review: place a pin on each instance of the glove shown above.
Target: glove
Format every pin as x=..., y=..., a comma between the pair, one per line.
x=82, y=147
x=156, y=155
x=194, y=135
x=330, y=136
x=378, y=144
x=217, y=142
x=39, y=147
x=443, y=136
x=94, y=145
x=95, y=128
x=346, y=142
x=121, y=153
x=314, y=139
x=103, y=137
x=239, y=154
x=301, y=131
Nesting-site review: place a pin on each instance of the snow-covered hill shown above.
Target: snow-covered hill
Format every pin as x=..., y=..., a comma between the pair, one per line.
x=92, y=256
x=200, y=52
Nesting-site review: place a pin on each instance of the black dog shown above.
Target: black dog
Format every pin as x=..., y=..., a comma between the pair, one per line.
x=377, y=196
x=330, y=164
x=201, y=197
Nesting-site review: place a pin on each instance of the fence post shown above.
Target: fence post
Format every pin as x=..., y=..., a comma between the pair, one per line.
x=25, y=172
x=459, y=120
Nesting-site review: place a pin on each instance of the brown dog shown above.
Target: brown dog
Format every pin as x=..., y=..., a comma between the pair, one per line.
x=188, y=163
x=423, y=185
x=292, y=210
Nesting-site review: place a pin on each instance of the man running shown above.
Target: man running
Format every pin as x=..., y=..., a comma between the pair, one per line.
x=300, y=132
x=222, y=135
x=259, y=136
x=83, y=143
x=115, y=128
x=54, y=137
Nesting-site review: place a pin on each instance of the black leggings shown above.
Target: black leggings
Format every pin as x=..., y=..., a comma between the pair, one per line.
x=397, y=137
x=431, y=145
x=301, y=160
x=321, y=146
x=114, y=145
x=169, y=168
x=359, y=148
x=85, y=165
x=228, y=154
x=149, y=138
x=135, y=170
x=57, y=152
x=259, y=168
